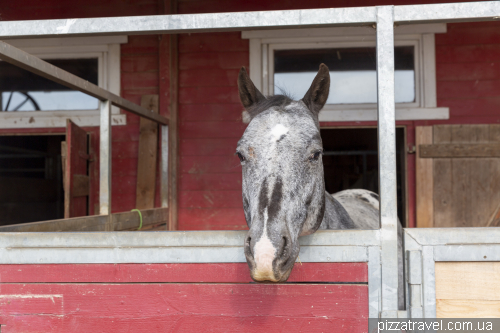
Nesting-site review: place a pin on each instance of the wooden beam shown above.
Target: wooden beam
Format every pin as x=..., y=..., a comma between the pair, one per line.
x=121, y=221
x=173, y=139
x=169, y=89
x=425, y=181
x=148, y=149
x=459, y=150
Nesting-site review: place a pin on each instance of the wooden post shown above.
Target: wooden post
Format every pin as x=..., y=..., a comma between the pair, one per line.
x=168, y=71
x=425, y=180
x=146, y=165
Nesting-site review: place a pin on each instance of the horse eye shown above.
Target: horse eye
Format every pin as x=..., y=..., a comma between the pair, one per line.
x=241, y=157
x=315, y=156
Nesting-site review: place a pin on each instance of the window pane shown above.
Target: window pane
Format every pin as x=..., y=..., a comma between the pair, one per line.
x=24, y=91
x=352, y=72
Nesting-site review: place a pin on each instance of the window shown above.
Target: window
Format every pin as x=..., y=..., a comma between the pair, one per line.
x=28, y=100
x=25, y=91
x=286, y=61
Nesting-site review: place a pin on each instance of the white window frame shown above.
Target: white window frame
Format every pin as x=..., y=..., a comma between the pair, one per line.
x=264, y=42
x=105, y=49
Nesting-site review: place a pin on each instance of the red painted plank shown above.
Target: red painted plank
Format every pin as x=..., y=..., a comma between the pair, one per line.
x=468, y=71
x=467, y=53
x=207, y=6
x=186, y=308
x=210, y=164
x=122, y=149
x=210, y=199
x=140, y=45
x=212, y=42
x=467, y=89
x=139, y=80
x=123, y=184
x=216, y=129
x=68, y=10
x=472, y=106
x=225, y=60
x=212, y=219
x=21, y=304
x=208, y=77
x=77, y=4
x=178, y=273
x=211, y=112
x=139, y=62
x=124, y=167
x=464, y=33
x=203, y=147
x=124, y=202
x=209, y=95
x=127, y=133
x=216, y=181
x=134, y=95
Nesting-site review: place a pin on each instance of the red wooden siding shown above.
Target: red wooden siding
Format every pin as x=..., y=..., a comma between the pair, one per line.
x=210, y=126
x=183, y=308
x=468, y=82
x=468, y=72
x=180, y=298
x=139, y=76
x=178, y=273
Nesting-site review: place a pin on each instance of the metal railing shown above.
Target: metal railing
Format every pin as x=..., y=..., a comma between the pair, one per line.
x=385, y=17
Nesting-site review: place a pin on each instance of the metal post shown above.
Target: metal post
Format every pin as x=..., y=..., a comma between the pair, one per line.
x=387, y=160
x=164, y=166
x=105, y=159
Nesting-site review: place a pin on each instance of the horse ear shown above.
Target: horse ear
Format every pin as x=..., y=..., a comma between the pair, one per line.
x=315, y=98
x=249, y=94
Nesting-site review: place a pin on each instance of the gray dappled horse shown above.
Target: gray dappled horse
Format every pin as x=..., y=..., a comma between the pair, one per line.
x=283, y=183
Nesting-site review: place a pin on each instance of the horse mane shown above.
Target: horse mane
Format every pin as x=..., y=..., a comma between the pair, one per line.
x=265, y=104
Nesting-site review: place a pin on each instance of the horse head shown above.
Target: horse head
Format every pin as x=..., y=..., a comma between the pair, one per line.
x=283, y=182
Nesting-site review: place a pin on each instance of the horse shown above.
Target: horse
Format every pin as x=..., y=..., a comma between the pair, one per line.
x=283, y=185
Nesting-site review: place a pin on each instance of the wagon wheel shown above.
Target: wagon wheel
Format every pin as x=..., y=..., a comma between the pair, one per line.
x=27, y=98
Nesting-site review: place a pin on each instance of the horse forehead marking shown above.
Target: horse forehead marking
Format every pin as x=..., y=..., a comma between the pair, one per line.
x=278, y=131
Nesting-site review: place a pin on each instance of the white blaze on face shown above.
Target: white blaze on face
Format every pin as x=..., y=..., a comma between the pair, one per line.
x=264, y=253
x=277, y=131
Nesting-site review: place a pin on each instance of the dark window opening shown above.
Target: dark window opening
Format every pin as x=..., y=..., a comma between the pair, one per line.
x=351, y=162
x=31, y=185
x=352, y=72
x=21, y=90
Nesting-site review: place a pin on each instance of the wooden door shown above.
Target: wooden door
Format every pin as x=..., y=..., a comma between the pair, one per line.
x=458, y=175
x=75, y=169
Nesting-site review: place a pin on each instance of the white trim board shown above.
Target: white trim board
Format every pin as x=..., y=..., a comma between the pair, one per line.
x=421, y=36
x=433, y=28
x=371, y=115
x=105, y=48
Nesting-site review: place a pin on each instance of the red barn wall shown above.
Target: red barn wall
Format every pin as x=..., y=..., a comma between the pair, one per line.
x=468, y=82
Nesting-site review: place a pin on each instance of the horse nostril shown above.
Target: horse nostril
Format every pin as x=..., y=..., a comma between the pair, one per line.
x=248, y=243
x=283, y=248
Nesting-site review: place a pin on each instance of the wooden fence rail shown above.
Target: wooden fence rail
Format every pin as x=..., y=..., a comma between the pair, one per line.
x=119, y=221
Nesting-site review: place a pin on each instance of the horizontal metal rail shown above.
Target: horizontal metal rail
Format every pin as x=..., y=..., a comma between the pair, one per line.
x=155, y=24
x=171, y=247
x=165, y=24
x=35, y=65
x=450, y=12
